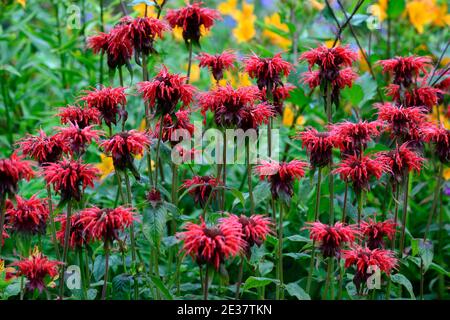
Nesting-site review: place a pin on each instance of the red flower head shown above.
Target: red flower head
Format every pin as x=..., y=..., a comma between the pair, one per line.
x=359, y=171
x=405, y=69
x=107, y=101
x=36, y=269
x=43, y=148
x=201, y=188
x=179, y=121
x=255, y=229
x=29, y=216
x=154, y=197
x=143, y=32
x=331, y=238
x=363, y=258
x=99, y=42
x=403, y=123
x=77, y=236
x=442, y=81
x=70, y=177
x=376, y=231
x=124, y=146
x=212, y=245
x=281, y=176
x=329, y=59
x=105, y=224
x=120, y=47
x=424, y=96
x=12, y=170
x=165, y=91
x=79, y=138
x=355, y=136
x=319, y=146
x=83, y=117
x=217, y=63
x=267, y=71
x=401, y=161
x=441, y=139
x=190, y=19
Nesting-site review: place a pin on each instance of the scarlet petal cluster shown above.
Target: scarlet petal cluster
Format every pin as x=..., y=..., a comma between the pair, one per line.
x=405, y=69
x=36, y=268
x=281, y=176
x=165, y=91
x=279, y=95
x=355, y=136
x=81, y=116
x=217, y=63
x=79, y=138
x=331, y=237
x=376, y=231
x=171, y=123
x=191, y=18
x=423, y=96
x=318, y=145
x=70, y=177
x=143, y=31
x=201, y=188
x=12, y=170
x=267, y=71
x=363, y=258
x=212, y=245
x=43, y=148
x=77, y=235
x=441, y=139
x=28, y=216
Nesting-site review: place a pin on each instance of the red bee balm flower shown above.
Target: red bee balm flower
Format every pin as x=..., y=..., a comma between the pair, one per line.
x=281, y=176
x=70, y=177
x=424, y=96
x=107, y=101
x=441, y=138
x=217, y=63
x=319, y=146
x=43, y=148
x=201, y=188
x=165, y=91
x=77, y=236
x=12, y=170
x=83, y=117
x=359, y=170
x=79, y=138
x=172, y=123
x=29, y=216
x=364, y=258
x=330, y=58
x=190, y=19
x=105, y=224
x=143, y=32
x=267, y=71
x=279, y=95
x=355, y=136
x=405, y=69
x=376, y=231
x=255, y=229
x=331, y=238
x=36, y=268
x=124, y=146
x=212, y=245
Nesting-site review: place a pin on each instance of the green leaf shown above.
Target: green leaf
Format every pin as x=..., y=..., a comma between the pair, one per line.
x=257, y=282
x=296, y=291
x=354, y=95
x=10, y=69
x=160, y=285
x=238, y=195
x=395, y=8
x=298, y=238
x=401, y=279
x=154, y=223
x=265, y=267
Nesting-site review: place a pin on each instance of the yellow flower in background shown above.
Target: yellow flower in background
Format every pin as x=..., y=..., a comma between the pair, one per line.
x=446, y=174
x=140, y=9
x=195, y=72
x=228, y=8
x=288, y=118
x=245, y=28
x=441, y=16
x=317, y=5
x=379, y=10
x=300, y=120
x=420, y=13
x=142, y=126
x=444, y=120
x=275, y=21
x=241, y=80
x=362, y=62
x=178, y=32
x=23, y=3
x=105, y=166
x=329, y=43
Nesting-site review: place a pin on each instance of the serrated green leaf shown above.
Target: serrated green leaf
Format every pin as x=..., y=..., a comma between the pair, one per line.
x=402, y=280
x=296, y=291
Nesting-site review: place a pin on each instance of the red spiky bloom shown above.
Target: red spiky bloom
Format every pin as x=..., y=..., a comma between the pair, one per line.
x=105, y=224
x=330, y=58
x=442, y=81
x=440, y=136
x=355, y=136
x=81, y=116
x=172, y=123
x=124, y=146
x=400, y=161
x=331, y=237
x=201, y=188
x=267, y=71
x=191, y=18
x=402, y=123
x=79, y=138
x=405, y=69
x=154, y=197
x=43, y=148
x=28, y=216
x=143, y=31
x=255, y=229
x=107, y=101
x=212, y=245
x=165, y=91
x=98, y=43
x=279, y=95
x=281, y=176
x=120, y=46
x=36, y=269
x=77, y=236
x=70, y=177
x=376, y=231
x=363, y=258
x=217, y=63
x=424, y=96
x=319, y=146
x=359, y=170
x=12, y=170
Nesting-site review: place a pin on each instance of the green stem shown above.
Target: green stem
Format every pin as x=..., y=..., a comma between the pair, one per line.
x=52, y=222
x=344, y=209
x=62, y=57
x=224, y=166
x=359, y=195
x=280, y=290
x=319, y=183
x=158, y=145
x=240, y=274
x=397, y=196
x=437, y=190
x=328, y=279
x=82, y=273
x=206, y=285
x=405, y=214
x=66, y=249
x=105, y=278
x=249, y=179
x=189, y=62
